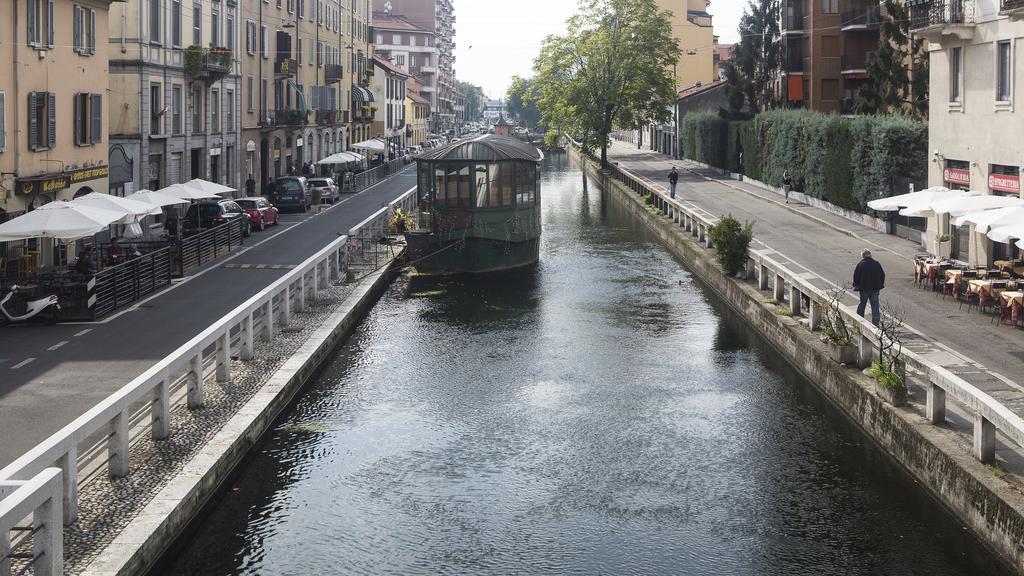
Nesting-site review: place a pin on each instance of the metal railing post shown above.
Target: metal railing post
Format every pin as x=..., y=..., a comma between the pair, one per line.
x=117, y=446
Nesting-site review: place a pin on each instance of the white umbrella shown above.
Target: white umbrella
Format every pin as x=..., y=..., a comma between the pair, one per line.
x=374, y=145
x=1004, y=234
x=986, y=219
x=924, y=205
x=156, y=198
x=209, y=187
x=340, y=158
x=186, y=192
x=60, y=220
x=133, y=210
x=961, y=205
x=893, y=203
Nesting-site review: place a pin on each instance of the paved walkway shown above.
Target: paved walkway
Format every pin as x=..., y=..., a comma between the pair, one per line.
x=968, y=343
x=49, y=375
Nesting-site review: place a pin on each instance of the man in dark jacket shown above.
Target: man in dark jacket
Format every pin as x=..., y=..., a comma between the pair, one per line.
x=868, y=279
x=673, y=179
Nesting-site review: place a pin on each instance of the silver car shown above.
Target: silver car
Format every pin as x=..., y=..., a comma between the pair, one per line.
x=329, y=191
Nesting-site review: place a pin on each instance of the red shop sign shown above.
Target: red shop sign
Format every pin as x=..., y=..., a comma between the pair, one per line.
x=956, y=176
x=1004, y=183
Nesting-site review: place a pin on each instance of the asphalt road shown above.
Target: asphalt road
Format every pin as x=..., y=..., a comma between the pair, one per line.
x=49, y=375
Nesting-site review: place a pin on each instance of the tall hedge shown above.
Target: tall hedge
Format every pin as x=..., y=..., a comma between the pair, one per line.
x=841, y=160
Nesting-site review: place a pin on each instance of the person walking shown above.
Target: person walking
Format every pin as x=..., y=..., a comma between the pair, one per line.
x=869, y=280
x=250, y=186
x=673, y=179
x=787, y=183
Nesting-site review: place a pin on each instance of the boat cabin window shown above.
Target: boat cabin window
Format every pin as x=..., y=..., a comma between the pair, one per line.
x=526, y=183
x=480, y=185
x=500, y=181
x=453, y=184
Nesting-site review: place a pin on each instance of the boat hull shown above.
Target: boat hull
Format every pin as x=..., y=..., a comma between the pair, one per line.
x=427, y=252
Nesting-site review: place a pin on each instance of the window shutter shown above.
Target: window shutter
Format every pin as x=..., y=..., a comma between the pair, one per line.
x=49, y=23
x=92, y=31
x=96, y=111
x=33, y=12
x=33, y=127
x=78, y=29
x=51, y=110
x=79, y=136
x=3, y=121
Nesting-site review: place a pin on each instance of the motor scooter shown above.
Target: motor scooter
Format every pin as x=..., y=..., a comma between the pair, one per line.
x=45, y=309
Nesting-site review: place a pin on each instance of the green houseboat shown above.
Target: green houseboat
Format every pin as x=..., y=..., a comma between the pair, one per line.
x=480, y=206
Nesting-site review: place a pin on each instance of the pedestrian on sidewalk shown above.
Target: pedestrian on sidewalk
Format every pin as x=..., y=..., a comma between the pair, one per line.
x=869, y=280
x=787, y=183
x=673, y=179
x=250, y=186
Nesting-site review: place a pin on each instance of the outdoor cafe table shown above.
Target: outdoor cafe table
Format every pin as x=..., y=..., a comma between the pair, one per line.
x=985, y=286
x=1011, y=297
x=1016, y=266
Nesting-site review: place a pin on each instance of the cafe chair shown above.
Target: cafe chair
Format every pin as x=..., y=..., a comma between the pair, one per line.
x=965, y=296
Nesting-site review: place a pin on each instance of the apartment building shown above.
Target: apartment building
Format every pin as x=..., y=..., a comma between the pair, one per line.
x=437, y=16
x=827, y=45
x=417, y=113
x=974, y=123
x=411, y=48
x=389, y=89
x=174, y=93
x=53, y=103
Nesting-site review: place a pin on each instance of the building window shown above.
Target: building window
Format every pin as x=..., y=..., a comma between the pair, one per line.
x=396, y=39
x=175, y=22
x=250, y=37
x=263, y=95
x=291, y=6
x=400, y=59
x=42, y=122
x=1004, y=71
x=231, y=109
x=312, y=51
x=176, y=110
x=88, y=119
x=84, y=30
x=154, y=21
x=248, y=89
x=956, y=74
x=263, y=40
x=229, y=24
x=215, y=26
x=197, y=110
x=156, y=111
x=215, y=110
x=3, y=121
x=298, y=50
x=40, y=23
x=197, y=24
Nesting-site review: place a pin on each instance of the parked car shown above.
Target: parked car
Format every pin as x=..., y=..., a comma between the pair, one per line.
x=211, y=213
x=329, y=191
x=292, y=192
x=416, y=150
x=261, y=212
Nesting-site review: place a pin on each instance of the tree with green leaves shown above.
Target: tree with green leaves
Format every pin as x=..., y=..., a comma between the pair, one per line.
x=898, y=74
x=521, y=101
x=757, y=59
x=612, y=67
x=473, y=95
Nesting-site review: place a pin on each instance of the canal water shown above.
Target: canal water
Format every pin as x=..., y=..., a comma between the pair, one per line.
x=601, y=414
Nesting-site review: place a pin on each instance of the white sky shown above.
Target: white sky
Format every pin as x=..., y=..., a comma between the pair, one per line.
x=498, y=39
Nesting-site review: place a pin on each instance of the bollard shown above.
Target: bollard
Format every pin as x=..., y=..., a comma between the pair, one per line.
x=160, y=412
x=936, y=405
x=68, y=465
x=984, y=439
x=195, y=384
x=224, y=357
x=780, y=289
x=117, y=446
x=794, y=300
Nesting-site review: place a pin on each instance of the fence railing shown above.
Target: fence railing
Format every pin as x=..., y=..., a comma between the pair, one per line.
x=792, y=288
x=46, y=479
x=940, y=12
x=374, y=175
x=208, y=245
x=132, y=281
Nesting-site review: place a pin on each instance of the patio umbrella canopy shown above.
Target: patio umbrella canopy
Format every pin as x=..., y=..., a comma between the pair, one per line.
x=372, y=145
x=962, y=205
x=59, y=220
x=186, y=192
x=133, y=210
x=341, y=158
x=924, y=206
x=987, y=219
x=893, y=203
x=1006, y=234
x=209, y=187
x=156, y=199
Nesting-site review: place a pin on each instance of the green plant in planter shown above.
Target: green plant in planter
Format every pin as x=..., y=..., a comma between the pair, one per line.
x=731, y=241
x=193, y=59
x=943, y=237
x=886, y=378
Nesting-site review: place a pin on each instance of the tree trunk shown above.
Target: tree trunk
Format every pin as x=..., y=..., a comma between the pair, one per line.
x=604, y=155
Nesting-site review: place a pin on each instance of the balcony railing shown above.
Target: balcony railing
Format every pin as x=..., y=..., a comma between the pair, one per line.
x=326, y=117
x=289, y=118
x=1011, y=6
x=856, y=62
x=210, y=63
x=942, y=12
x=862, y=18
x=333, y=73
x=792, y=23
x=794, y=63
x=285, y=67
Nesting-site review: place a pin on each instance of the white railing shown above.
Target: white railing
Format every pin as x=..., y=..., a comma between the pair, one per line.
x=101, y=438
x=989, y=414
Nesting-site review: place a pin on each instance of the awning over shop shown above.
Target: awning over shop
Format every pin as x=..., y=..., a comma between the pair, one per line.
x=360, y=94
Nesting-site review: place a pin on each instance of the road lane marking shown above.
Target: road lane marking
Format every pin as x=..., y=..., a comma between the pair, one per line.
x=57, y=345
x=83, y=332
x=22, y=363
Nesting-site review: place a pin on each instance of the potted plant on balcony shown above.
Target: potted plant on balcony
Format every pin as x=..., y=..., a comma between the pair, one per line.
x=221, y=55
x=835, y=332
x=193, y=59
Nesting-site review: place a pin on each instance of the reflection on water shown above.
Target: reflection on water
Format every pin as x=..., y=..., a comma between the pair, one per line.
x=595, y=415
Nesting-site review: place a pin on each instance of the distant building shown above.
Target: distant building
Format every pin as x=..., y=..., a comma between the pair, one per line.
x=493, y=109
x=723, y=54
x=389, y=91
x=708, y=98
x=411, y=48
x=417, y=114
x=501, y=127
x=691, y=26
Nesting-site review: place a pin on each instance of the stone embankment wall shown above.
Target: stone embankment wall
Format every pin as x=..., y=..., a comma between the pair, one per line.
x=989, y=506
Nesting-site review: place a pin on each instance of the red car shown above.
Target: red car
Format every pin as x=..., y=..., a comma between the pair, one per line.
x=260, y=211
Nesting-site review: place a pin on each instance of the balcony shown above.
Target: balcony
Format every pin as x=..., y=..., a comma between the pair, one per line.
x=285, y=67
x=209, y=63
x=856, y=65
x=289, y=118
x=326, y=117
x=702, y=19
x=792, y=18
x=862, y=18
x=794, y=63
x=1012, y=8
x=333, y=73
x=939, y=20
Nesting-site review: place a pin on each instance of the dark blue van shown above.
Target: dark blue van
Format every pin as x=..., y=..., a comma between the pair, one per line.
x=292, y=193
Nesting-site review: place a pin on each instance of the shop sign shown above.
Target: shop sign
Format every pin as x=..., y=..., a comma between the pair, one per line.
x=250, y=146
x=1004, y=183
x=56, y=182
x=298, y=141
x=957, y=176
x=214, y=151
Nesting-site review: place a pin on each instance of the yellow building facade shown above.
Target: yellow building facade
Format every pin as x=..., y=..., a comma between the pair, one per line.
x=691, y=26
